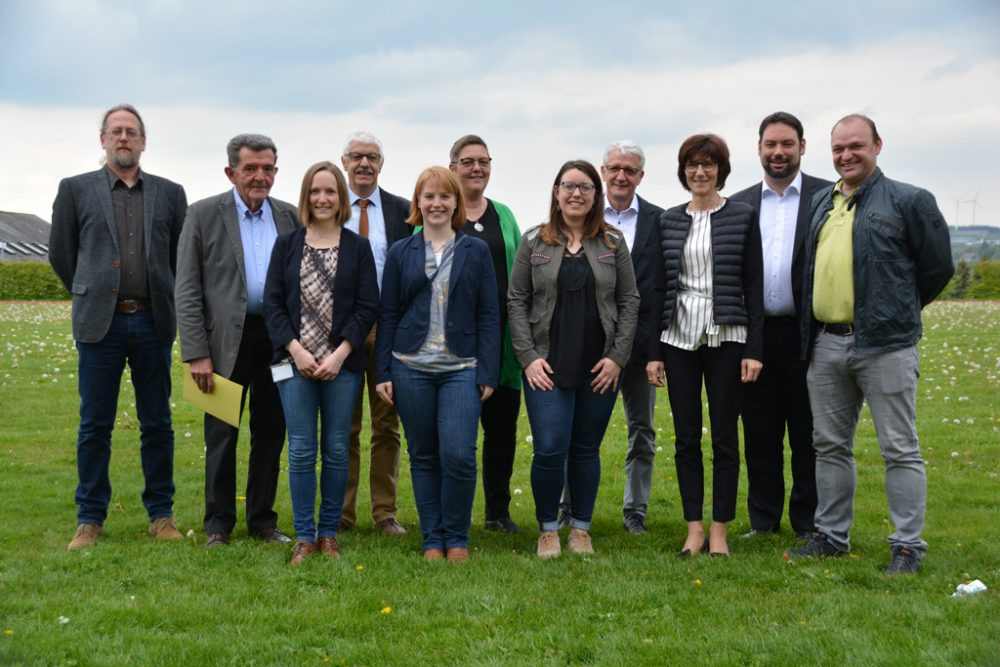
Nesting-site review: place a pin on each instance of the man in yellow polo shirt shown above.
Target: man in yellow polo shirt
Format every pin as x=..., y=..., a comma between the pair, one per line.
x=878, y=252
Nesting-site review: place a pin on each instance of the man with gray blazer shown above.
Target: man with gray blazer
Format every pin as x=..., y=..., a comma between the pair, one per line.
x=113, y=244
x=224, y=253
x=779, y=398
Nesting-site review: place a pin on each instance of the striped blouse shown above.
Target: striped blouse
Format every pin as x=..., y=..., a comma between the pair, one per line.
x=693, y=325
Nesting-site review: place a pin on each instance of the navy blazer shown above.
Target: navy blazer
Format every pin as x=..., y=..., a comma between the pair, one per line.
x=645, y=252
x=473, y=324
x=355, y=295
x=810, y=186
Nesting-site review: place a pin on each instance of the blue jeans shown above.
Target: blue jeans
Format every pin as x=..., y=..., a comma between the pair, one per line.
x=440, y=415
x=567, y=426
x=132, y=338
x=333, y=401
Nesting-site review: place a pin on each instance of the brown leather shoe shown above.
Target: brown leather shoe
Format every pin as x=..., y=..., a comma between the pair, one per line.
x=213, y=540
x=391, y=527
x=164, y=528
x=434, y=554
x=86, y=536
x=328, y=547
x=458, y=555
x=302, y=551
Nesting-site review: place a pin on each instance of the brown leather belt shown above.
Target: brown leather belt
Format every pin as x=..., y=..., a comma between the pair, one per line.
x=129, y=306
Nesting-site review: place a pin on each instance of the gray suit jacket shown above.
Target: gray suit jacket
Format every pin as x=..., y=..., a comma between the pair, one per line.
x=211, y=279
x=810, y=186
x=83, y=250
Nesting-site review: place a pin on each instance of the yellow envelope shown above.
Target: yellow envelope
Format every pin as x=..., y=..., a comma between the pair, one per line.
x=223, y=402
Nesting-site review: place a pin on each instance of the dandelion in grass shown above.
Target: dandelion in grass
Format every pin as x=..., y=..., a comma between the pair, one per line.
x=697, y=582
x=360, y=568
x=8, y=633
x=241, y=499
x=386, y=610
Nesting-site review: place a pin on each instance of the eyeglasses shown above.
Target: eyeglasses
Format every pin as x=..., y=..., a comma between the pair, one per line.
x=358, y=157
x=631, y=172
x=483, y=162
x=584, y=188
x=117, y=132
x=250, y=169
x=692, y=167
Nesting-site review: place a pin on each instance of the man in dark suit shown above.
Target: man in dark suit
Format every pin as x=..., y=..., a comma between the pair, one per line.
x=380, y=217
x=223, y=258
x=780, y=398
x=622, y=171
x=113, y=243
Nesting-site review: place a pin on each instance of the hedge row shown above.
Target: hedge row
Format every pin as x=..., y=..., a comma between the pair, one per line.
x=21, y=281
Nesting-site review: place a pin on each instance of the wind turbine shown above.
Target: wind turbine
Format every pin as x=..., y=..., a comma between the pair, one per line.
x=975, y=202
x=957, y=202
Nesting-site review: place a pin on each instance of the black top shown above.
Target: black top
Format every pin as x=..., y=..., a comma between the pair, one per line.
x=576, y=334
x=490, y=223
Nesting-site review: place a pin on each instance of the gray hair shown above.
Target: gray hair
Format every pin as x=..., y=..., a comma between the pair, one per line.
x=625, y=147
x=123, y=107
x=255, y=142
x=363, y=138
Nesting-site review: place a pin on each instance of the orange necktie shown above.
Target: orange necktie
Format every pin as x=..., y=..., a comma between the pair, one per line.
x=363, y=219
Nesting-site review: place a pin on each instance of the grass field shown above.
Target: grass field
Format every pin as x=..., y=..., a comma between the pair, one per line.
x=130, y=600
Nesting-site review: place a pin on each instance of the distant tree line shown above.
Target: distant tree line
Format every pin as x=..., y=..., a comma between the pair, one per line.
x=975, y=280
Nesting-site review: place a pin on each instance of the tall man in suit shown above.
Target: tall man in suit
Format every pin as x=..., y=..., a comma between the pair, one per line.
x=224, y=253
x=113, y=243
x=622, y=172
x=779, y=398
x=380, y=217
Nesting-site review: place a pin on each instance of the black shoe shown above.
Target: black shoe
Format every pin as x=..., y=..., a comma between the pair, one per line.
x=272, y=535
x=213, y=540
x=686, y=553
x=504, y=525
x=565, y=515
x=904, y=561
x=635, y=524
x=818, y=546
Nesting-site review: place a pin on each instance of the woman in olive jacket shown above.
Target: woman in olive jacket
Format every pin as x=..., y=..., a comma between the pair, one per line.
x=573, y=307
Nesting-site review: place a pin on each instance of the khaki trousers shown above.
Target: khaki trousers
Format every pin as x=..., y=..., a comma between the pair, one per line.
x=383, y=474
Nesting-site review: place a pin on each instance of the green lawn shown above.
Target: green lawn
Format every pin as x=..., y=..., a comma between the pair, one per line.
x=130, y=600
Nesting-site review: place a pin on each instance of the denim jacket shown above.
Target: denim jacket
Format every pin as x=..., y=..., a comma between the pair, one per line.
x=902, y=261
x=534, y=288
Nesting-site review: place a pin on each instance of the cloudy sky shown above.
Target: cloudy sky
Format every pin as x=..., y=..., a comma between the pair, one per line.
x=542, y=82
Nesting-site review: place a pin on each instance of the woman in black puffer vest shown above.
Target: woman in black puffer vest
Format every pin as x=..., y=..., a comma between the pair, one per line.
x=710, y=281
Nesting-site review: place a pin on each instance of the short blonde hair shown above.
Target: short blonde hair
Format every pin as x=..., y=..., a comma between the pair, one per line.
x=446, y=179
x=343, y=194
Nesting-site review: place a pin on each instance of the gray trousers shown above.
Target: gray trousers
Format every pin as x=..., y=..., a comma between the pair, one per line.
x=639, y=399
x=839, y=382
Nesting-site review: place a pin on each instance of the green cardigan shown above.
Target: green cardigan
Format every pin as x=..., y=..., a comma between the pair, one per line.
x=510, y=370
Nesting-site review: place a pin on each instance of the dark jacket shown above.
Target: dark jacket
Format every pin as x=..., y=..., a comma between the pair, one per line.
x=645, y=252
x=737, y=272
x=902, y=261
x=810, y=186
x=84, y=251
x=355, y=295
x=473, y=326
x=395, y=211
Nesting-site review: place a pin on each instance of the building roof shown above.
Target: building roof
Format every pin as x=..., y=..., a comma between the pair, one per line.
x=24, y=237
